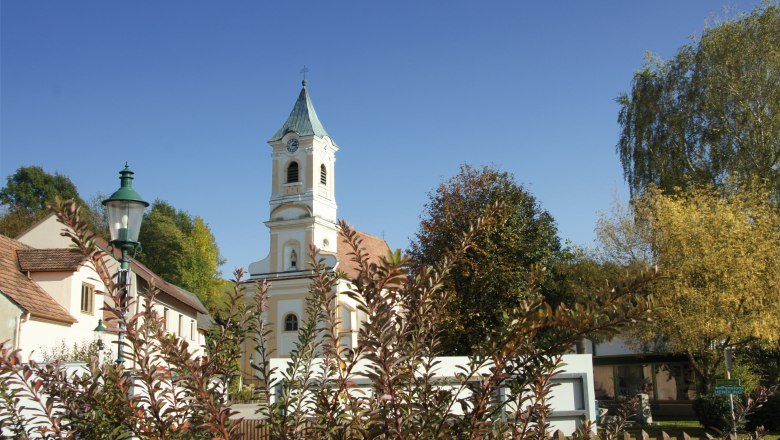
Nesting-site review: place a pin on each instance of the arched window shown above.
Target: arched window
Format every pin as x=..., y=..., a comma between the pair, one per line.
x=293, y=260
x=291, y=323
x=323, y=175
x=292, y=172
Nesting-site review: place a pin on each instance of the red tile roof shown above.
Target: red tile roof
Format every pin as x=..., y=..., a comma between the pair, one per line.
x=152, y=278
x=22, y=290
x=374, y=246
x=50, y=260
x=144, y=272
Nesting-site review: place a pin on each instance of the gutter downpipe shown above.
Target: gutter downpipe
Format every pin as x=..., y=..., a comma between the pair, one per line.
x=18, y=330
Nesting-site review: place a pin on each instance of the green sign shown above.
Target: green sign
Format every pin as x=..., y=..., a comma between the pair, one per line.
x=727, y=382
x=725, y=389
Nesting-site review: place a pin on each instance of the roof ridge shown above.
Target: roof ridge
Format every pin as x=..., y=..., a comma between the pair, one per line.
x=35, y=224
x=371, y=235
x=160, y=283
x=16, y=242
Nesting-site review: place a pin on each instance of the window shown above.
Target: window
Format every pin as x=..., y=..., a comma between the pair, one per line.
x=181, y=326
x=293, y=260
x=604, y=382
x=675, y=382
x=292, y=172
x=323, y=175
x=165, y=319
x=662, y=381
x=631, y=380
x=291, y=323
x=87, y=298
x=193, y=330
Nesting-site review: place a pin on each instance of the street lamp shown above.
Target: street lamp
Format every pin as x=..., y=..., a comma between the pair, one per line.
x=100, y=332
x=729, y=354
x=125, y=212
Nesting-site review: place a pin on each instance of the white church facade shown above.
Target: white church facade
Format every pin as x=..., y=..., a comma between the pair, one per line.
x=303, y=212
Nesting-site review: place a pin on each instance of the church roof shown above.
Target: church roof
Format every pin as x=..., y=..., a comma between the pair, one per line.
x=374, y=246
x=302, y=120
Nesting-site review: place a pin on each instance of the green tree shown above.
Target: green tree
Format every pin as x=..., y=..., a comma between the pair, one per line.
x=181, y=249
x=202, y=274
x=26, y=194
x=710, y=112
x=164, y=244
x=581, y=275
x=97, y=216
x=718, y=251
x=491, y=276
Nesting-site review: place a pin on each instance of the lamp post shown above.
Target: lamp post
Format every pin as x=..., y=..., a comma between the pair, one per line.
x=100, y=331
x=125, y=212
x=729, y=355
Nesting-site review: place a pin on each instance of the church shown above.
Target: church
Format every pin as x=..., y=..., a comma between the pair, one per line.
x=303, y=212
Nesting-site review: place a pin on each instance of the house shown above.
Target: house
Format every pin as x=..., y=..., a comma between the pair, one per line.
x=37, y=315
x=303, y=213
x=51, y=295
x=620, y=371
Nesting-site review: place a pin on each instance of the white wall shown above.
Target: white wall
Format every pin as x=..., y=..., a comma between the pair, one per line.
x=572, y=400
x=10, y=314
x=286, y=340
x=616, y=347
x=40, y=336
x=46, y=235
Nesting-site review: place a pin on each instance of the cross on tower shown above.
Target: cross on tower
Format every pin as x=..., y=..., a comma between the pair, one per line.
x=304, y=71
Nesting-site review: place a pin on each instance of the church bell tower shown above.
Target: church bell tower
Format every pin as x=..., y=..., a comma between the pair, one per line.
x=303, y=202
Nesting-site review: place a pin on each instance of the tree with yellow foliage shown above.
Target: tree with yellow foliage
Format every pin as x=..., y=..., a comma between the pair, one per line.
x=718, y=251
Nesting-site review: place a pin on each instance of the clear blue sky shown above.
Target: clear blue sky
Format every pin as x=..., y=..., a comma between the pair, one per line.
x=189, y=91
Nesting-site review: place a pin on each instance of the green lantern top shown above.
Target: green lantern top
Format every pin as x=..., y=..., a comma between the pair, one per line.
x=126, y=191
x=125, y=209
x=100, y=327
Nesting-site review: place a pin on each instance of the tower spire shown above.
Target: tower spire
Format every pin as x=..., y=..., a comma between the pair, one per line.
x=303, y=119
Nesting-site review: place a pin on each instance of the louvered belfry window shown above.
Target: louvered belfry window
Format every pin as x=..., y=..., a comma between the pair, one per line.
x=323, y=175
x=292, y=172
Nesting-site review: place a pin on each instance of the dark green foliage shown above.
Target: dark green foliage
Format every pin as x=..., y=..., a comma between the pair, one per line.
x=181, y=249
x=27, y=193
x=713, y=411
x=490, y=279
x=765, y=362
x=163, y=239
x=578, y=273
x=768, y=415
x=32, y=189
x=710, y=112
x=98, y=216
x=13, y=223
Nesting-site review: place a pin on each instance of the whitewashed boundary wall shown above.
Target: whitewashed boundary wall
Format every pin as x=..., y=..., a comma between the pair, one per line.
x=572, y=400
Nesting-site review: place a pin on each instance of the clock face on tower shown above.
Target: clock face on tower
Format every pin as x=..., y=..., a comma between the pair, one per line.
x=292, y=145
